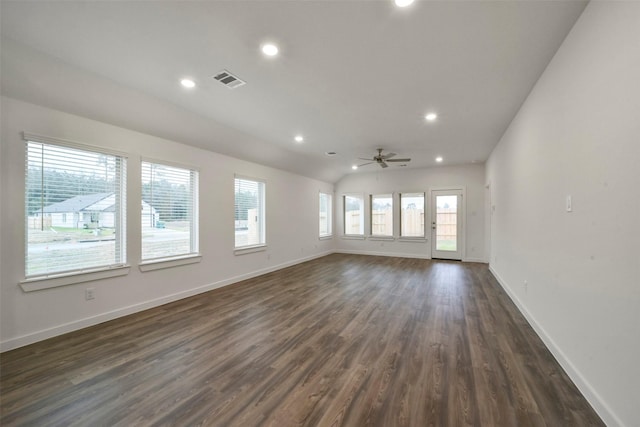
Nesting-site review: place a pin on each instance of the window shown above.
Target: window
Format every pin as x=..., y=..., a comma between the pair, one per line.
x=169, y=211
x=412, y=215
x=353, y=215
x=382, y=215
x=249, y=213
x=325, y=215
x=74, y=209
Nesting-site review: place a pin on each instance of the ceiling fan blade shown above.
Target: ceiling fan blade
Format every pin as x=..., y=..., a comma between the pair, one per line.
x=398, y=160
x=362, y=158
x=383, y=165
x=365, y=164
x=388, y=156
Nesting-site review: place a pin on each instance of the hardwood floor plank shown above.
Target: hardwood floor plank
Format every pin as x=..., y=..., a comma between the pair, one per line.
x=343, y=340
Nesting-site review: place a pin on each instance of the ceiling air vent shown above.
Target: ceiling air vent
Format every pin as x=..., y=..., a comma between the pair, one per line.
x=228, y=79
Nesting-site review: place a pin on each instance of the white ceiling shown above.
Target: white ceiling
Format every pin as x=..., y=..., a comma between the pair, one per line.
x=351, y=76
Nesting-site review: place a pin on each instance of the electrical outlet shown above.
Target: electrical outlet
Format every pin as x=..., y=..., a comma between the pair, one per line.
x=89, y=294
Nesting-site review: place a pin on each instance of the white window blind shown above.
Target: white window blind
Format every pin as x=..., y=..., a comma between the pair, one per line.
x=412, y=214
x=249, y=213
x=353, y=215
x=74, y=209
x=169, y=211
x=325, y=214
x=382, y=215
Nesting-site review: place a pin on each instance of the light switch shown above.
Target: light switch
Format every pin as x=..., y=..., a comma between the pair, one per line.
x=569, y=206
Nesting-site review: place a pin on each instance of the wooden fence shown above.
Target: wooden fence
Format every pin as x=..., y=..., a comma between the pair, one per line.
x=38, y=222
x=382, y=222
x=447, y=220
x=412, y=223
x=352, y=222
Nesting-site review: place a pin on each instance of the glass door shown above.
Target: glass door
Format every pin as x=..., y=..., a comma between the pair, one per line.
x=446, y=224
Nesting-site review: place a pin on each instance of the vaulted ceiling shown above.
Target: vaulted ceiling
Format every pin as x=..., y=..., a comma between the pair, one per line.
x=350, y=76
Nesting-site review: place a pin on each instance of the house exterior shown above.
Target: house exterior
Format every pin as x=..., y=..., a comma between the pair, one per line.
x=89, y=211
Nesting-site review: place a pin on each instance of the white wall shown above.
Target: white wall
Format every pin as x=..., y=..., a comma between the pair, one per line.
x=292, y=227
x=578, y=134
x=470, y=177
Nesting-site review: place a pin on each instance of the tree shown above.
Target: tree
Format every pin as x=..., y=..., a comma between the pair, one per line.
x=245, y=200
x=170, y=200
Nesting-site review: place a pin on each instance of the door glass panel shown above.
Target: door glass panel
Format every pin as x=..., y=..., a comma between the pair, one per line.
x=446, y=223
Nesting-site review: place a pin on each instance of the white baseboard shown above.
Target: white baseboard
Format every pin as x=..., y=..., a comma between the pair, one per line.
x=399, y=255
x=592, y=396
x=44, y=334
x=388, y=254
x=480, y=260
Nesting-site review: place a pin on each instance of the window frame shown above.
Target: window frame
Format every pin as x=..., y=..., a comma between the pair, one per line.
x=424, y=213
x=344, y=215
x=329, y=213
x=262, y=214
x=193, y=256
x=120, y=266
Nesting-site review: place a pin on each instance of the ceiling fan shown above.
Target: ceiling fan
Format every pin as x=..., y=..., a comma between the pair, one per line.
x=382, y=159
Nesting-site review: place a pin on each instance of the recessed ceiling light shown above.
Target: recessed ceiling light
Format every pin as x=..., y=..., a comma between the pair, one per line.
x=299, y=138
x=431, y=117
x=188, y=83
x=403, y=3
x=270, y=49
x=439, y=159
x=354, y=167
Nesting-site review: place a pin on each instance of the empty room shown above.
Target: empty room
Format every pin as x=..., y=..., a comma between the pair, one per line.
x=320, y=213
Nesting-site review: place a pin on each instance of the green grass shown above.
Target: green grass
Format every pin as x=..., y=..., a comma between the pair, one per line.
x=68, y=229
x=65, y=234
x=446, y=245
x=82, y=232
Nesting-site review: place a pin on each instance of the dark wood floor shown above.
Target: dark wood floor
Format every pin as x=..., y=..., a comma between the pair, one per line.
x=343, y=340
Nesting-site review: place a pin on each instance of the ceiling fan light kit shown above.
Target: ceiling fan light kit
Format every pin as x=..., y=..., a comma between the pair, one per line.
x=383, y=159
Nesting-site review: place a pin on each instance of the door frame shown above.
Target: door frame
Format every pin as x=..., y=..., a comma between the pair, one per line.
x=463, y=209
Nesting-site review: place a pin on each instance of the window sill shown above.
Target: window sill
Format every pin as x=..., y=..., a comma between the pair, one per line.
x=353, y=237
x=250, y=249
x=328, y=237
x=64, y=279
x=383, y=238
x=412, y=239
x=159, y=264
